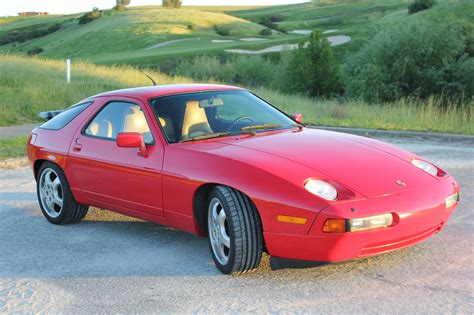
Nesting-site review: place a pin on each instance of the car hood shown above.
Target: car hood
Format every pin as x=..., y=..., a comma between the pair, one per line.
x=366, y=166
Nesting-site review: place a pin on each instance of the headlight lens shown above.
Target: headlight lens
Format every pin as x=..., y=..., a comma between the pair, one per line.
x=370, y=223
x=425, y=166
x=321, y=188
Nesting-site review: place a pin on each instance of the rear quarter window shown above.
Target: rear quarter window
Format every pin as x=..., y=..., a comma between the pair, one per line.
x=61, y=120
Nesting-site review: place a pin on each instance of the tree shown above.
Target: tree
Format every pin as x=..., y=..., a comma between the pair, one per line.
x=420, y=5
x=313, y=68
x=122, y=2
x=172, y=4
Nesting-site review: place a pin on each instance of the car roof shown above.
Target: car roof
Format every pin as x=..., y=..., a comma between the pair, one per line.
x=148, y=92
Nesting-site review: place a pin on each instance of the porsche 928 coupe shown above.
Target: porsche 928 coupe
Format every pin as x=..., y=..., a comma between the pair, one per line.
x=219, y=161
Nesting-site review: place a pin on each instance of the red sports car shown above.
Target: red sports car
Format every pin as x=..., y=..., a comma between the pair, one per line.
x=219, y=161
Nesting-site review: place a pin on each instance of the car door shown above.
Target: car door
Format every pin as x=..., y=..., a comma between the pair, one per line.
x=115, y=177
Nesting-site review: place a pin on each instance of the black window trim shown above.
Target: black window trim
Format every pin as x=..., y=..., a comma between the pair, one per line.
x=87, y=103
x=84, y=127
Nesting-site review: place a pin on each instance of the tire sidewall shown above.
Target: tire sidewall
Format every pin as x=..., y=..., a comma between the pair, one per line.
x=65, y=189
x=227, y=268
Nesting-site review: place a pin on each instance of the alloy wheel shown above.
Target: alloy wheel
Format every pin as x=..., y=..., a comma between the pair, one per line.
x=218, y=231
x=51, y=192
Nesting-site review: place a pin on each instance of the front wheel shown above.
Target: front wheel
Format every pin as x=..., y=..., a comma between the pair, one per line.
x=55, y=197
x=235, y=231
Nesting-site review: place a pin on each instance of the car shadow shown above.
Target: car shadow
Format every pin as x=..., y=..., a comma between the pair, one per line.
x=107, y=244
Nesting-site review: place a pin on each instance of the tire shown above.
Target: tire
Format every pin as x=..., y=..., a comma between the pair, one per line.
x=233, y=220
x=55, y=197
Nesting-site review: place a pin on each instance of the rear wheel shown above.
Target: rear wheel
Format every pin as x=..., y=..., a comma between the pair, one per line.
x=235, y=231
x=55, y=197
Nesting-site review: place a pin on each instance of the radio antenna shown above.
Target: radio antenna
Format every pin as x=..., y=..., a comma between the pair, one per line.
x=154, y=83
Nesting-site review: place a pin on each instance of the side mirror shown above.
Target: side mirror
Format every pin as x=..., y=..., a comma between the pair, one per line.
x=297, y=118
x=132, y=140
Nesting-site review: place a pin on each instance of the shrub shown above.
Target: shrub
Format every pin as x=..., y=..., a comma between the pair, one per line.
x=119, y=7
x=458, y=80
x=205, y=68
x=240, y=69
x=35, y=51
x=172, y=4
x=190, y=27
x=54, y=28
x=26, y=33
x=420, y=5
x=266, y=32
x=89, y=17
x=222, y=31
x=276, y=18
x=252, y=71
x=414, y=58
x=268, y=23
x=313, y=69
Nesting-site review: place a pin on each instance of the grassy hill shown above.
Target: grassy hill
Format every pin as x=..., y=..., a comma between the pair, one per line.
x=352, y=17
x=129, y=31
x=123, y=37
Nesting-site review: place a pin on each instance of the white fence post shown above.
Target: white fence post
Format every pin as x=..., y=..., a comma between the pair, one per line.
x=68, y=70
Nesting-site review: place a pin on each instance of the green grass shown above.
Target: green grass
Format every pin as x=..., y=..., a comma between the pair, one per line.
x=31, y=85
x=13, y=147
x=359, y=19
x=404, y=114
x=121, y=38
x=127, y=32
x=355, y=18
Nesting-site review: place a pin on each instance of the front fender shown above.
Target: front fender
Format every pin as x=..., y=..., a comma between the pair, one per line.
x=274, y=185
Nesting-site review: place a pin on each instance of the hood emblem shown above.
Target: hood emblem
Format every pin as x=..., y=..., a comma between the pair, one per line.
x=400, y=183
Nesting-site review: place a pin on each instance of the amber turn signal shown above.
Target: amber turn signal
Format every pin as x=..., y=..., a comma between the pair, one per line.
x=334, y=226
x=290, y=219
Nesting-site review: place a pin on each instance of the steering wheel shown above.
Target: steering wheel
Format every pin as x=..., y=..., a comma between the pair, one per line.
x=232, y=125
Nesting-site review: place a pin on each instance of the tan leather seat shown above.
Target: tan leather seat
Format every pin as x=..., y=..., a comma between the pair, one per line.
x=101, y=129
x=167, y=124
x=195, y=121
x=136, y=122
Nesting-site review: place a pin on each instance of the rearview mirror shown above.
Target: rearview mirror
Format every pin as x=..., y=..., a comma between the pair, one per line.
x=132, y=140
x=215, y=101
x=297, y=118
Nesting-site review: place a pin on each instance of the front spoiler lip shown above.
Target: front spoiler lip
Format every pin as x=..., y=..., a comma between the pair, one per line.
x=277, y=263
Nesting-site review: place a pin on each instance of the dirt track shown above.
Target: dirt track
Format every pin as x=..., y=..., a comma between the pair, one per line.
x=110, y=263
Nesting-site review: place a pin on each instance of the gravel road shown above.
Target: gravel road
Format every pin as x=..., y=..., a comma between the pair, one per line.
x=110, y=263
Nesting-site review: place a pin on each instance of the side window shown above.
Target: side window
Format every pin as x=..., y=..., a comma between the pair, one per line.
x=61, y=120
x=117, y=117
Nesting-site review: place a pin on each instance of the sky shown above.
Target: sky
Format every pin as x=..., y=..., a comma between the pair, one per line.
x=12, y=7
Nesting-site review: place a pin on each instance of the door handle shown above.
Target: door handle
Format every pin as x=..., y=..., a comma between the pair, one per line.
x=77, y=147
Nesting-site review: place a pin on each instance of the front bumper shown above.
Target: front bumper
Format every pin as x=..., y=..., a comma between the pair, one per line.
x=419, y=214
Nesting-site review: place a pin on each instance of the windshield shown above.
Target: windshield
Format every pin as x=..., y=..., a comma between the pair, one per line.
x=204, y=115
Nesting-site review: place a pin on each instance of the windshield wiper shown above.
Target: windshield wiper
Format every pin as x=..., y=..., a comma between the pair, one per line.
x=270, y=126
x=208, y=136
x=245, y=130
